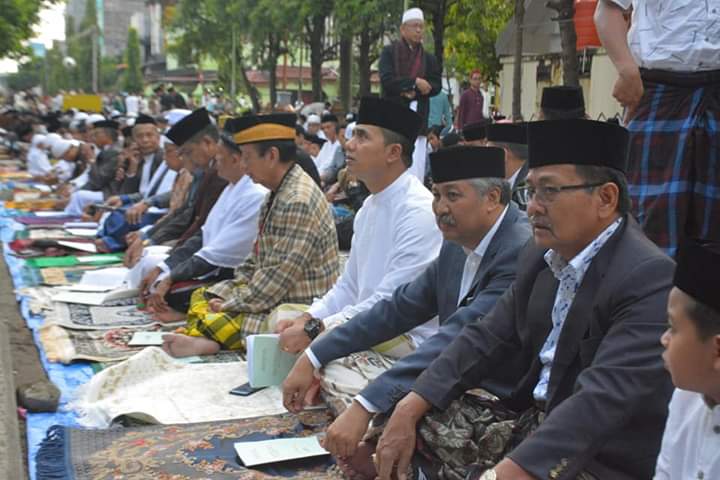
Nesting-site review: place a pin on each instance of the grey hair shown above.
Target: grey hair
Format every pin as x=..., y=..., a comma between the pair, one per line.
x=483, y=186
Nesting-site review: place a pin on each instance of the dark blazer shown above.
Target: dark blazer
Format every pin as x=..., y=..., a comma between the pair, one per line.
x=393, y=85
x=102, y=173
x=131, y=185
x=434, y=292
x=608, y=391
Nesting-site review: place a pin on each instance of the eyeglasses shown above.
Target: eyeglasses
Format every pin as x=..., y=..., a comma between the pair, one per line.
x=548, y=193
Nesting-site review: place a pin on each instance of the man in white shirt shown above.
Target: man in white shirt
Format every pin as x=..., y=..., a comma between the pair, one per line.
x=668, y=63
x=395, y=233
x=326, y=155
x=691, y=443
x=132, y=105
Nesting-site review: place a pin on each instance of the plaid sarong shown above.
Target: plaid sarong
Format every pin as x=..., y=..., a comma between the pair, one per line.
x=674, y=174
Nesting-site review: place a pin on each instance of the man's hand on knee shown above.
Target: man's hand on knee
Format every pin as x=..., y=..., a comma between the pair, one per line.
x=397, y=443
x=347, y=431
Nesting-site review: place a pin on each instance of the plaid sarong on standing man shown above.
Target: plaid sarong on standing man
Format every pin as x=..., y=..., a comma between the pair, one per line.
x=674, y=174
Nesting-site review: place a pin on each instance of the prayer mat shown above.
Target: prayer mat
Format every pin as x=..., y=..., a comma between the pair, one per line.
x=27, y=248
x=66, y=345
x=43, y=234
x=39, y=298
x=116, y=314
x=180, y=452
x=223, y=356
x=52, y=277
x=45, y=221
x=32, y=205
x=154, y=387
x=72, y=261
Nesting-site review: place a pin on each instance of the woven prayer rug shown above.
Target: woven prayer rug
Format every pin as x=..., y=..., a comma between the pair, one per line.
x=66, y=345
x=156, y=388
x=180, y=452
x=116, y=314
x=54, y=277
x=72, y=261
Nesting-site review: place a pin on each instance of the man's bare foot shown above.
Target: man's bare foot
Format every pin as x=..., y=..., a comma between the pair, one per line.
x=186, y=346
x=169, y=316
x=360, y=466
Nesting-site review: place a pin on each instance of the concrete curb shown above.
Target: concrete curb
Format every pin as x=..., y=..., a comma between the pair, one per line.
x=11, y=466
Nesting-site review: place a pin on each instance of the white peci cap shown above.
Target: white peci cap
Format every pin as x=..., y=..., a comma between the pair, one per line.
x=413, y=14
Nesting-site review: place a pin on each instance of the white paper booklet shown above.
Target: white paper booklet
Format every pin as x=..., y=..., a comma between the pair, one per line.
x=81, y=225
x=278, y=450
x=146, y=339
x=82, y=246
x=94, y=298
x=82, y=232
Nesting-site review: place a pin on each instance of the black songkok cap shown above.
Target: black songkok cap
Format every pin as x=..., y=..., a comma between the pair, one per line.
x=186, y=128
x=315, y=139
x=390, y=115
x=476, y=131
x=329, y=117
x=127, y=131
x=563, y=100
x=111, y=124
x=577, y=142
x=507, y=133
x=261, y=128
x=467, y=161
x=698, y=272
x=144, y=119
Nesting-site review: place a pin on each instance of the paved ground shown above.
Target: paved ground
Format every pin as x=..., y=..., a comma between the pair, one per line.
x=11, y=453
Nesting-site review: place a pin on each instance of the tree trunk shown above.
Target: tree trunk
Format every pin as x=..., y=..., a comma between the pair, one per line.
x=249, y=87
x=568, y=40
x=517, y=66
x=316, y=33
x=364, y=62
x=273, y=51
x=345, y=71
x=438, y=20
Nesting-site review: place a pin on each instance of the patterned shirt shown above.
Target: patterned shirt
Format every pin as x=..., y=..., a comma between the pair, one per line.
x=295, y=258
x=678, y=35
x=570, y=275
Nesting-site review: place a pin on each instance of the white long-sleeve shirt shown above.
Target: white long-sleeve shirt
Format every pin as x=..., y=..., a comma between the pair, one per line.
x=691, y=443
x=395, y=239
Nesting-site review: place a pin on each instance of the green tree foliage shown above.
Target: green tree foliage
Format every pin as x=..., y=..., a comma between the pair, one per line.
x=473, y=29
x=17, y=20
x=84, y=47
x=133, y=78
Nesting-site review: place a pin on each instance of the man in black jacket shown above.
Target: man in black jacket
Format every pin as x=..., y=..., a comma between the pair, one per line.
x=411, y=75
x=583, y=322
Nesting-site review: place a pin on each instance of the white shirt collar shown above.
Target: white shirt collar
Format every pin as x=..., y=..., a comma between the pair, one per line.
x=485, y=242
x=396, y=186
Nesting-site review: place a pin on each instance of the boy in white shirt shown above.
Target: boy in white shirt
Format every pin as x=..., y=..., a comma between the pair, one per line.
x=691, y=443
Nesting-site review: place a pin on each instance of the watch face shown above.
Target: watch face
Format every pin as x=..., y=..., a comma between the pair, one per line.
x=489, y=475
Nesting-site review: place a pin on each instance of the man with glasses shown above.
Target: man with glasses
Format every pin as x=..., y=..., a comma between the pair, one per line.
x=411, y=75
x=583, y=319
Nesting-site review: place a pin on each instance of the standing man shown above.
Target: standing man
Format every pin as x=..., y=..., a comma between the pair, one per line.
x=669, y=83
x=411, y=75
x=472, y=103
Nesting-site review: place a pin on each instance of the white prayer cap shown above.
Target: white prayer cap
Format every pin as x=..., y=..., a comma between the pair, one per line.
x=413, y=14
x=313, y=118
x=79, y=116
x=176, y=114
x=95, y=117
x=60, y=147
x=37, y=140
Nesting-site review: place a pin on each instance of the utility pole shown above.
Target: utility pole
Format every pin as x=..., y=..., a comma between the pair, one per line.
x=93, y=36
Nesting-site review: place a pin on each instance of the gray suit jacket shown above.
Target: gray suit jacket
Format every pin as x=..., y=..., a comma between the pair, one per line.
x=434, y=292
x=608, y=390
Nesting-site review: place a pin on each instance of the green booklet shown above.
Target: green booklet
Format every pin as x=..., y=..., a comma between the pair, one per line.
x=267, y=364
x=72, y=261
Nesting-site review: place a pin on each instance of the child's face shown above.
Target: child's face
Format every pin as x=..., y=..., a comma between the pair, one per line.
x=692, y=362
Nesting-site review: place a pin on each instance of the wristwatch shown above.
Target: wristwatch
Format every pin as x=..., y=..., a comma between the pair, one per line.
x=313, y=327
x=489, y=475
